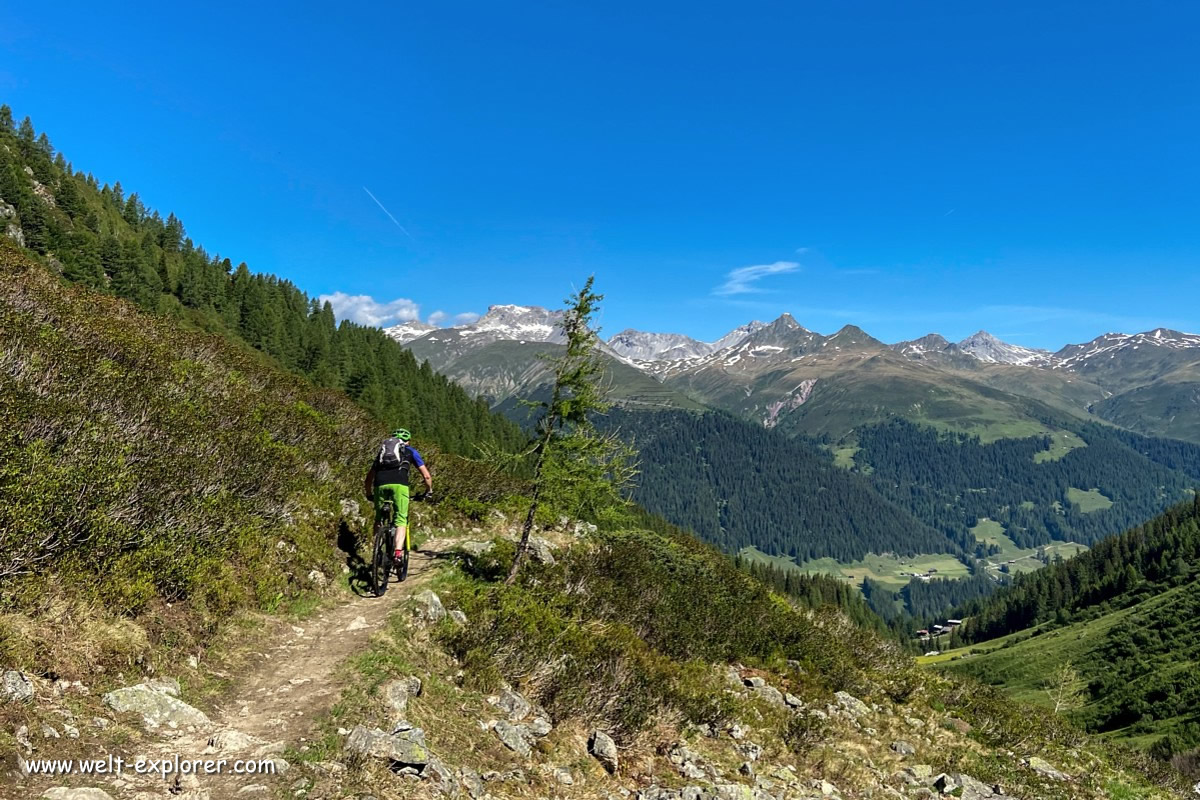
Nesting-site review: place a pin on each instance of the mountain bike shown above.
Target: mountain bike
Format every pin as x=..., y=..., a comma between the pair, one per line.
x=383, y=561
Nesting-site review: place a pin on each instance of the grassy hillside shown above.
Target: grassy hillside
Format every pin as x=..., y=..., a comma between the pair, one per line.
x=142, y=464
x=1137, y=667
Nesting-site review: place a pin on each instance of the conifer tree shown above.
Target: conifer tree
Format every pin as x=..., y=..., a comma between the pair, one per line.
x=570, y=455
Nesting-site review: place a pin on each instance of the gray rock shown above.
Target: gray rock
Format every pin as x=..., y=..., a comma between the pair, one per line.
x=921, y=772
x=473, y=783
x=458, y=616
x=793, y=701
x=604, y=749
x=973, y=789
x=513, y=737
x=852, y=705
x=564, y=776
x=511, y=703
x=15, y=687
x=405, y=746
x=747, y=769
x=428, y=606
x=22, y=737
x=397, y=691
x=903, y=748
x=156, y=707
x=733, y=791
x=165, y=685
x=733, y=678
x=750, y=750
x=66, y=793
x=232, y=741
x=439, y=774
x=476, y=549
x=1046, y=769
x=540, y=550
x=50, y=732
x=755, y=682
x=771, y=695
x=539, y=727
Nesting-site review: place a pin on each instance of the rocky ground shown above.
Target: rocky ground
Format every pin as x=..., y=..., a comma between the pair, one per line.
x=359, y=701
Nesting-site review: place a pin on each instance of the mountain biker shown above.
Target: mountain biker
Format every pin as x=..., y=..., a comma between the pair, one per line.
x=387, y=480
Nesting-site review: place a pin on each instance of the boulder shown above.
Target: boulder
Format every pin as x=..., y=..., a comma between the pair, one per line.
x=921, y=772
x=397, y=691
x=473, y=783
x=406, y=746
x=514, y=737
x=539, y=727
x=156, y=707
x=792, y=700
x=771, y=695
x=540, y=550
x=852, y=705
x=476, y=549
x=428, y=606
x=512, y=704
x=903, y=748
x=1046, y=769
x=232, y=741
x=439, y=774
x=973, y=789
x=458, y=616
x=604, y=750
x=755, y=682
x=15, y=687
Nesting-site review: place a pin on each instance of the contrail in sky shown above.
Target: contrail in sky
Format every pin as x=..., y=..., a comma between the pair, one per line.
x=384, y=209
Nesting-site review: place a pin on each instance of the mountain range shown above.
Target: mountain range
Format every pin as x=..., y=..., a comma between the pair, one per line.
x=781, y=374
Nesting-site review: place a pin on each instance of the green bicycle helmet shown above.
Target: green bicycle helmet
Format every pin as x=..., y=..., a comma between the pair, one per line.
x=402, y=434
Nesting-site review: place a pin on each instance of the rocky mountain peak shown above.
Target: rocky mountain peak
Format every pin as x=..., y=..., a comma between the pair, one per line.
x=407, y=331
x=987, y=348
x=523, y=323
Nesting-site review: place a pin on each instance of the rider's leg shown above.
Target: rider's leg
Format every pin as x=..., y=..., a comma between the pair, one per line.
x=401, y=519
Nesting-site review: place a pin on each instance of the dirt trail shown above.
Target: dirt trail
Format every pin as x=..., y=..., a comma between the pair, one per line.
x=283, y=690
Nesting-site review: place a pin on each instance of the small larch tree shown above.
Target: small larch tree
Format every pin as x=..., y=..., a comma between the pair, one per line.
x=576, y=466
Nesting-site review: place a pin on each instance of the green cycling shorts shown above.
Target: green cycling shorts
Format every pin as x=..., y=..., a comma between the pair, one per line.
x=397, y=493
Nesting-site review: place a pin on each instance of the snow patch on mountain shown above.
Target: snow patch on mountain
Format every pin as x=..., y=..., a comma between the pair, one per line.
x=1074, y=355
x=640, y=347
x=989, y=349
x=407, y=331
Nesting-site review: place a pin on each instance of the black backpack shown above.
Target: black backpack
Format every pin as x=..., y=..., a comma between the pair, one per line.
x=393, y=455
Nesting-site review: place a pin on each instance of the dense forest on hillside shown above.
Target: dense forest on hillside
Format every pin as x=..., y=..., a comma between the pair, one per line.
x=101, y=237
x=1116, y=572
x=949, y=481
x=814, y=591
x=737, y=485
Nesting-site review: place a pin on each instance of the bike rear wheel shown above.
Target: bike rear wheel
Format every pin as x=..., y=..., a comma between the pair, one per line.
x=381, y=561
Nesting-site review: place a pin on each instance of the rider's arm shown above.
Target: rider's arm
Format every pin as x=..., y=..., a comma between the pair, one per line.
x=369, y=483
x=428, y=478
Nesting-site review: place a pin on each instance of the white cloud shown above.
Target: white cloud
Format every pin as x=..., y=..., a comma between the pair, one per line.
x=743, y=279
x=366, y=310
x=465, y=318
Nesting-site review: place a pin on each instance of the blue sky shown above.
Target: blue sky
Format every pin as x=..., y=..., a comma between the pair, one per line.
x=1028, y=168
